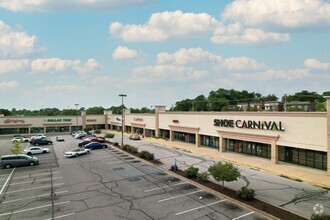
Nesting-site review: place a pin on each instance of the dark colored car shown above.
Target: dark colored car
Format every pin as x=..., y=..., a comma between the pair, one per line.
x=8, y=161
x=95, y=145
x=98, y=140
x=83, y=143
x=41, y=141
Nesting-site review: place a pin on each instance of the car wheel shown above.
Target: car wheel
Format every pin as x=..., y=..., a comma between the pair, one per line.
x=26, y=141
x=88, y=152
x=31, y=163
x=29, y=153
x=7, y=166
x=44, y=152
x=76, y=155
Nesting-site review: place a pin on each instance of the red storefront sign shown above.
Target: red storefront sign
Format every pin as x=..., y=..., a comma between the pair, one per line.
x=8, y=121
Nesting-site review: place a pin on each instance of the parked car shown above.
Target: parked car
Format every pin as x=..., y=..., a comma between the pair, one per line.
x=41, y=141
x=80, y=135
x=99, y=140
x=95, y=145
x=77, y=152
x=8, y=161
x=36, y=150
x=83, y=143
x=18, y=135
x=59, y=138
x=20, y=139
x=134, y=137
x=37, y=136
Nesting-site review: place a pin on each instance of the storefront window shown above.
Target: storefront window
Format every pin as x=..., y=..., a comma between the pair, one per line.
x=150, y=133
x=57, y=129
x=128, y=129
x=76, y=128
x=39, y=130
x=165, y=134
x=310, y=158
x=185, y=137
x=209, y=141
x=246, y=147
x=14, y=130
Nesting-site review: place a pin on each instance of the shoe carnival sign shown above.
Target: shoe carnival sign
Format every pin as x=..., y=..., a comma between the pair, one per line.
x=261, y=125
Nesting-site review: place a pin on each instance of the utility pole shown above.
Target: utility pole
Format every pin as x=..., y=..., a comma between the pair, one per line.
x=122, y=119
x=76, y=116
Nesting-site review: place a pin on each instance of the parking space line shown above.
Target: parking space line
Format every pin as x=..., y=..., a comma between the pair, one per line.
x=61, y=216
x=200, y=207
x=42, y=174
x=40, y=187
x=33, y=197
x=12, y=184
x=243, y=215
x=38, y=207
x=149, y=190
x=175, y=197
x=3, y=187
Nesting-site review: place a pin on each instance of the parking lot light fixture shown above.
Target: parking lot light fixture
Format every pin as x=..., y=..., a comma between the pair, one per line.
x=76, y=116
x=122, y=118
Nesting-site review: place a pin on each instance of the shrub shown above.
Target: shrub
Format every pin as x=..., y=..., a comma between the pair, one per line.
x=203, y=177
x=98, y=131
x=146, y=155
x=116, y=144
x=125, y=147
x=245, y=193
x=132, y=150
x=320, y=217
x=191, y=172
x=109, y=135
x=88, y=129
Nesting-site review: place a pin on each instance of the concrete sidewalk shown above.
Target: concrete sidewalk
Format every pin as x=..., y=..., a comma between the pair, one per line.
x=313, y=176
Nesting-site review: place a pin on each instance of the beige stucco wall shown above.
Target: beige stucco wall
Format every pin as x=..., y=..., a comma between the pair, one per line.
x=95, y=119
x=112, y=119
x=303, y=130
x=40, y=121
x=142, y=119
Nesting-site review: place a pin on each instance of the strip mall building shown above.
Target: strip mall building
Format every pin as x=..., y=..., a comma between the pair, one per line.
x=301, y=138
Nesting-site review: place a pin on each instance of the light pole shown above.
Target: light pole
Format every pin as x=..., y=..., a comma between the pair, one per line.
x=122, y=119
x=76, y=116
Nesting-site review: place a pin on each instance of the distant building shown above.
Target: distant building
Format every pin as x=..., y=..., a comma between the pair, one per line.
x=273, y=106
x=303, y=106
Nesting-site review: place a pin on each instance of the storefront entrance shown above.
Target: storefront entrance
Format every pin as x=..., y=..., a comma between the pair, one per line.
x=185, y=137
x=247, y=147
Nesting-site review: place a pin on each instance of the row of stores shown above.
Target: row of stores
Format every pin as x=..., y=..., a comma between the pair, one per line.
x=279, y=137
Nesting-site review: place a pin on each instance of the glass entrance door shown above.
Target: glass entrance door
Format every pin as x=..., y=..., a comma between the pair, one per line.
x=288, y=154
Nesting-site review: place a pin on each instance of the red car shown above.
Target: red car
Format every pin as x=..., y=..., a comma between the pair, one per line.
x=98, y=140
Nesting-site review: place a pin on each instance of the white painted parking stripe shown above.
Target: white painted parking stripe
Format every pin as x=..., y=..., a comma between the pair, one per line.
x=243, y=215
x=33, y=197
x=25, y=210
x=13, y=184
x=3, y=187
x=61, y=216
x=42, y=174
x=175, y=197
x=200, y=207
x=149, y=190
x=40, y=187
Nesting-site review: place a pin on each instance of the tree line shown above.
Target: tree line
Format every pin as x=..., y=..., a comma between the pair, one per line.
x=219, y=100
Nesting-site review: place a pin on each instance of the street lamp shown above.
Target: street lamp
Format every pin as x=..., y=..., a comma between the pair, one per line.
x=122, y=119
x=76, y=116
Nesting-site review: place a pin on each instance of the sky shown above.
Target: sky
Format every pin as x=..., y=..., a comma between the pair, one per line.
x=55, y=54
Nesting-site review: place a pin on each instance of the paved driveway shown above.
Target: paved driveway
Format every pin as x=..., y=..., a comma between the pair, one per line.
x=107, y=184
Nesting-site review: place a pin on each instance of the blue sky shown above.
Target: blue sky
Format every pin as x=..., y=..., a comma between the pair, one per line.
x=58, y=53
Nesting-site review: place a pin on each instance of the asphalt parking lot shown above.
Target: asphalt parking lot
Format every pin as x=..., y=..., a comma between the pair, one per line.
x=106, y=184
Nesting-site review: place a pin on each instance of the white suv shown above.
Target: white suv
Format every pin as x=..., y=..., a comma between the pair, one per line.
x=20, y=139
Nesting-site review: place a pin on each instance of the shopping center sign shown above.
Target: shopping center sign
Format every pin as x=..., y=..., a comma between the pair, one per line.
x=249, y=124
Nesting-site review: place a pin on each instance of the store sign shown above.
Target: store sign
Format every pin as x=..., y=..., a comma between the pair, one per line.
x=137, y=119
x=58, y=120
x=175, y=121
x=91, y=120
x=118, y=119
x=8, y=121
x=261, y=125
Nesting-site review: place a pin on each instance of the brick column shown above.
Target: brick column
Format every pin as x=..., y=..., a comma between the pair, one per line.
x=328, y=133
x=274, y=152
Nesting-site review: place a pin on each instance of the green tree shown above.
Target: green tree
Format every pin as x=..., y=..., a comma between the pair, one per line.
x=6, y=112
x=320, y=107
x=270, y=98
x=16, y=149
x=95, y=111
x=200, y=103
x=224, y=172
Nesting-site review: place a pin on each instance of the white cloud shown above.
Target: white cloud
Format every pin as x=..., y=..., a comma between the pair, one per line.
x=272, y=74
x=166, y=72
x=164, y=25
x=122, y=53
x=90, y=66
x=315, y=64
x=60, y=5
x=13, y=65
x=242, y=63
x=280, y=13
x=8, y=85
x=52, y=64
x=63, y=88
x=15, y=44
x=188, y=56
x=236, y=35
x=58, y=65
